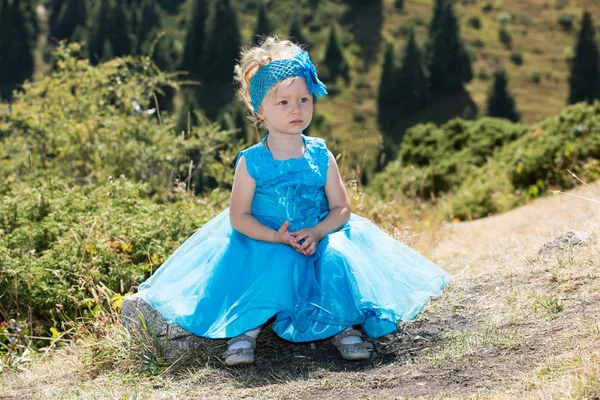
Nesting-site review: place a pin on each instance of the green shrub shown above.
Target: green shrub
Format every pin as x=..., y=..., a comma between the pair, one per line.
x=504, y=18
x=435, y=159
x=560, y=4
x=567, y=21
x=79, y=123
x=567, y=141
x=60, y=242
x=505, y=37
x=474, y=21
x=516, y=57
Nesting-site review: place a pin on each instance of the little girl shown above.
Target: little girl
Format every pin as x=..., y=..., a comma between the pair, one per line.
x=288, y=246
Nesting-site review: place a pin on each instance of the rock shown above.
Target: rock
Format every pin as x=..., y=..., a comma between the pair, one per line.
x=565, y=241
x=175, y=342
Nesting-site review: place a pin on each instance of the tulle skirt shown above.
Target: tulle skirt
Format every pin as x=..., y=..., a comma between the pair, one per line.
x=220, y=283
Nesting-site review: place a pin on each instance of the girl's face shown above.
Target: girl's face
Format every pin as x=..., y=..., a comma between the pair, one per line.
x=288, y=109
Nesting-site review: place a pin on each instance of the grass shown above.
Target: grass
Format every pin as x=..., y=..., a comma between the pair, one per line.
x=511, y=324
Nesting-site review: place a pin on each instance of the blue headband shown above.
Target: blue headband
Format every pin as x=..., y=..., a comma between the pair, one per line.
x=278, y=70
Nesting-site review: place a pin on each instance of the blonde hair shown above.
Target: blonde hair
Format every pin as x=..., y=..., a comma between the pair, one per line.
x=253, y=58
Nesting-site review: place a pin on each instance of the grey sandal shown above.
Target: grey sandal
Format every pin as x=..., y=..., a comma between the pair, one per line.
x=241, y=356
x=357, y=351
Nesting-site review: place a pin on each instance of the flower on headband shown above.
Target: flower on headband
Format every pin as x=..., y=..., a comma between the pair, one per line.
x=313, y=84
x=268, y=75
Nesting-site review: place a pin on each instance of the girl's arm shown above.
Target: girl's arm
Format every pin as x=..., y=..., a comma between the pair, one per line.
x=339, y=204
x=240, y=209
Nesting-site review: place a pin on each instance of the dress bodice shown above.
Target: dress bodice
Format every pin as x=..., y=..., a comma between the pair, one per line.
x=292, y=189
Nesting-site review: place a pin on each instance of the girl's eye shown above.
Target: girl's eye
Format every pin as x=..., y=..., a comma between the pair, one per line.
x=283, y=102
x=304, y=99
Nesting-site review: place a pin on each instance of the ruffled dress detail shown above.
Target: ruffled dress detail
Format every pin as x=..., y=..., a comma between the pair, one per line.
x=220, y=283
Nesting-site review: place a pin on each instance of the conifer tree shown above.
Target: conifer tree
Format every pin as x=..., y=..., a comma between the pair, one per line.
x=263, y=25
x=500, y=103
x=17, y=43
x=438, y=15
x=194, y=40
x=222, y=42
x=296, y=32
x=334, y=60
x=73, y=13
x=170, y=6
x=100, y=30
x=150, y=22
x=412, y=79
x=387, y=88
x=449, y=62
x=584, y=80
x=119, y=34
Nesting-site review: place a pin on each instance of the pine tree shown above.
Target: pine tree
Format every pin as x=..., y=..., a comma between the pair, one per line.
x=412, y=79
x=170, y=6
x=194, y=40
x=100, y=30
x=296, y=32
x=439, y=9
x=387, y=88
x=449, y=62
x=222, y=42
x=584, y=80
x=334, y=60
x=500, y=103
x=119, y=34
x=150, y=22
x=263, y=25
x=71, y=14
x=17, y=43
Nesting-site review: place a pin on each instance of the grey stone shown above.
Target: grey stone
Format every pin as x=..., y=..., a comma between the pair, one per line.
x=565, y=241
x=176, y=344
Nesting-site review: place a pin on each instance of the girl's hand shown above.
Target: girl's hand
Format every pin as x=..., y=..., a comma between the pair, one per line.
x=308, y=239
x=284, y=236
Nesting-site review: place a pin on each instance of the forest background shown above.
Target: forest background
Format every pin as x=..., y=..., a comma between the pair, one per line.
x=438, y=111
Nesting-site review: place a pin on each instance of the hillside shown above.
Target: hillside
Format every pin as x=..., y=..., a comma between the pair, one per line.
x=510, y=325
x=539, y=83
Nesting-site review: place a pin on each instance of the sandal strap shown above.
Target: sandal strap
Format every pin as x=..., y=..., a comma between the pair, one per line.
x=355, y=348
x=243, y=337
x=244, y=352
x=337, y=339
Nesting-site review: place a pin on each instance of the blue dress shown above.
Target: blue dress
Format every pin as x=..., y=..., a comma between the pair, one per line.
x=220, y=283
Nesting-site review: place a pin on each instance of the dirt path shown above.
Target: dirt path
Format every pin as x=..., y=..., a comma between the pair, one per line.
x=510, y=325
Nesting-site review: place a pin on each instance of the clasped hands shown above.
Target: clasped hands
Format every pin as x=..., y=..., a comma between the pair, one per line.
x=304, y=241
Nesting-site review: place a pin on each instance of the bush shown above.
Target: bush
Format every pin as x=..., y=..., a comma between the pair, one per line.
x=505, y=18
x=505, y=37
x=435, y=160
x=80, y=123
x=560, y=4
x=66, y=241
x=516, y=57
x=567, y=21
x=474, y=21
x=567, y=141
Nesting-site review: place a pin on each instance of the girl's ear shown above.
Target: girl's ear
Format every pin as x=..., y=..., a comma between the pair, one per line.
x=260, y=115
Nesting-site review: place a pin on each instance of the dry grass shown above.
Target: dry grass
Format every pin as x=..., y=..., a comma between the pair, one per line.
x=512, y=325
